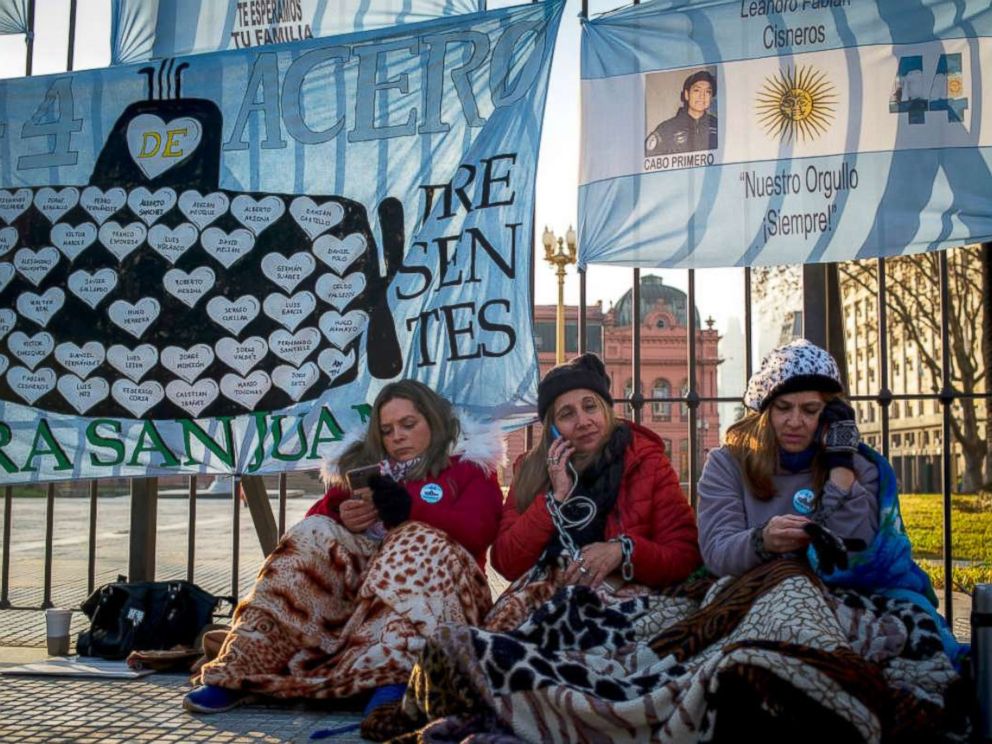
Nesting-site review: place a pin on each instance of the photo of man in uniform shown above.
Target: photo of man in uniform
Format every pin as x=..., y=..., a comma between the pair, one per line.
x=693, y=127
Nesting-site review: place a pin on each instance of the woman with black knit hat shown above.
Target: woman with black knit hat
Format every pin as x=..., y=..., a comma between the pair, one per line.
x=792, y=461
x=595, y=502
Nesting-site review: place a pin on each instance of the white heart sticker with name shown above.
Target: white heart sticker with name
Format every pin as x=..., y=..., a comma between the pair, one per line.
x=6, y=274
x=227, y=248
x=315, y=220
x=13, y=203
x=4, y=363
x=201, y=209
x=285, y=272
x=340, y=329
x=53, y=204
x=241, y=355
x=189, y=288
x=30, y=349
x=338, y=292
x=134, y=363
x=233, y=315
x=295, y=382
x=290, y=311
x=137, y=398
x=8, y=239
x=73, y=240
x=40, y=308
x=7, y=319
x=92, y=288
x=134, y=318
x=257, y=215
x=294, y=347
x=334, y=363
x=246, y=391
x=150, y=206
x=80, y=360
x=156, y=146
x=35, y=265
x=83, y=395
x=192, y=398
x=187, y=363
x=339, y=254
x=102, y=205
x=122, y=239
x=171, y=243
x=31, y=385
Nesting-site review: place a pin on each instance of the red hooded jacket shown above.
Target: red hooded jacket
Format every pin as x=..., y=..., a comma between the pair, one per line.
x=651, y=509
x=467, y=509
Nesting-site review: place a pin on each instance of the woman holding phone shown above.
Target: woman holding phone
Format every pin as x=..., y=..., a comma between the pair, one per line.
x=792, y=462
x=595, y=502
x=395, y=547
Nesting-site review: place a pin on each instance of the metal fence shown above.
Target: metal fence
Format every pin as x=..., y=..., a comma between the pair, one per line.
x=142, y=534
x=823, y=323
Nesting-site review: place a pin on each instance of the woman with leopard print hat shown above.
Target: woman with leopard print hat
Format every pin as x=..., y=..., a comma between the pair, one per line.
x=790, y=463
x=595, y=502
x=794, y=481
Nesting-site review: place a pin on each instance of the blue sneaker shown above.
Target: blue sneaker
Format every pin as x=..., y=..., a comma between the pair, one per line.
x=214, y=699
x=383, y=695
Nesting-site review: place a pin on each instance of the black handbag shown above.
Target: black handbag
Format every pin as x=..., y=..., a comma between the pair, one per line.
x=144, y=615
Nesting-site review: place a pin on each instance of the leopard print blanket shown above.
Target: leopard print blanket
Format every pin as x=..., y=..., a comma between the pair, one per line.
x=773, y=655
x=333, y=614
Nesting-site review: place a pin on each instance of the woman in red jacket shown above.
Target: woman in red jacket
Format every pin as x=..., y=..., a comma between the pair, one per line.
x=595, y=502
x=345, y=602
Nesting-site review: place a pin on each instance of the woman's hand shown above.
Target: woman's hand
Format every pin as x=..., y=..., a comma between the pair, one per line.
x=357, y=514
x=596, y=562
x=785, y=534
x=839, y=438
x=561, y=481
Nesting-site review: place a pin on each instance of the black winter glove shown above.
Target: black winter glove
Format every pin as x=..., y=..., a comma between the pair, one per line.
x=839, y=434
x=391, y=500
x=831, y=551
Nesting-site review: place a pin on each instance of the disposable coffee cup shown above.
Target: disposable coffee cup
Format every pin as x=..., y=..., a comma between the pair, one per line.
x=57, y=625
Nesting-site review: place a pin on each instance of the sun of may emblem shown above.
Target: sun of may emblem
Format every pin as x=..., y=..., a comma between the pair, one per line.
x=796, y=104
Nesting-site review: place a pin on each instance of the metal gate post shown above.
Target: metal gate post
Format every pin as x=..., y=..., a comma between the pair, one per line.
x=144, y=529
x=261, y=512
x=823, y=315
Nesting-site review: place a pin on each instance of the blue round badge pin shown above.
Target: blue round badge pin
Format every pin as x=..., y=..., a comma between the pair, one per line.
x=431, y=493
x=802, y=500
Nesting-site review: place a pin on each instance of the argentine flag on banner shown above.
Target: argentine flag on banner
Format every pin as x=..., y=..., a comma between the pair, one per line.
x=155, y=29
x=750, y=132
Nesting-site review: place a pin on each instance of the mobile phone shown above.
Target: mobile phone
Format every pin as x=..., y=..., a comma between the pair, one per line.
x=359, y=477
x=555, y=434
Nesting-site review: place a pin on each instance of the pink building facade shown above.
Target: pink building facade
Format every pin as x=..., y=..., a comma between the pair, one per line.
x=664, y=365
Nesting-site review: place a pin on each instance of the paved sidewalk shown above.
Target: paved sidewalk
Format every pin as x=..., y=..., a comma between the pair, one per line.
x=50, y=709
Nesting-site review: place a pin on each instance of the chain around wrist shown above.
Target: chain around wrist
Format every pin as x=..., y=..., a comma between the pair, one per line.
x=627, y=556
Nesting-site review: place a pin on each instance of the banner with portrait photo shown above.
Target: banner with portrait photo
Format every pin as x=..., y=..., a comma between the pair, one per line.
x=156, y=29
x=758, y=132
x=214, y=265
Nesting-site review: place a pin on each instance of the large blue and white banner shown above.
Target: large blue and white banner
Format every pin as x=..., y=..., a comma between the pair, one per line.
x=156, y=29
x=214, y=265
x=13, y=16
x=745, y=132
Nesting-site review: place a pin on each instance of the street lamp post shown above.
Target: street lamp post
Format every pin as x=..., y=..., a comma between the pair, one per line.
x=559, y=252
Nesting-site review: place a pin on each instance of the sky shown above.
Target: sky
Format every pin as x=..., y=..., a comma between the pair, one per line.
x=719, y=292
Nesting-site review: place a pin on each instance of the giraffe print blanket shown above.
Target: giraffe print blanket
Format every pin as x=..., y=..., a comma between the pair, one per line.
x=773, y=651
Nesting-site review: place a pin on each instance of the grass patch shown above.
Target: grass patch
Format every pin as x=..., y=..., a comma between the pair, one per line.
x=971, y=537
